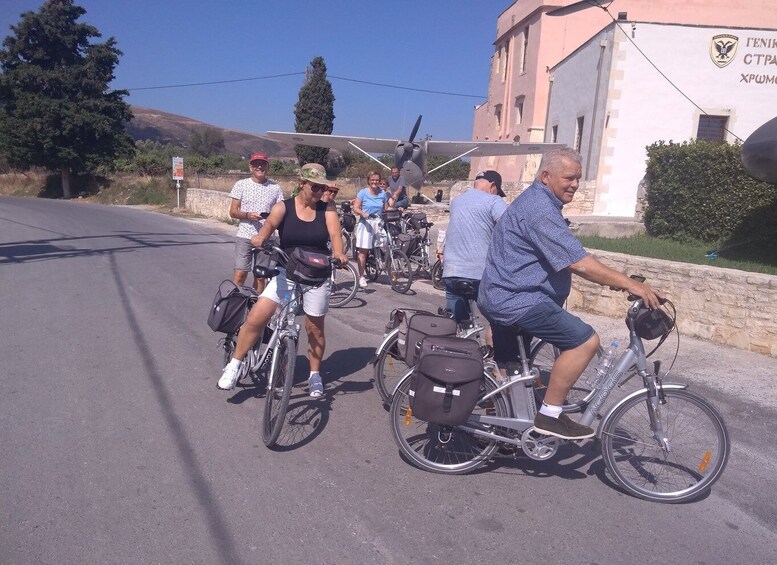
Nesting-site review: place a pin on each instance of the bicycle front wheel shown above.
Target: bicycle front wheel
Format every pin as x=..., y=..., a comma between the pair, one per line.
x=389, y=369
x=672, y=454
x=436, y=274
x=279, y=385
x=399, y=271
x=343, y=286
x=443, y=449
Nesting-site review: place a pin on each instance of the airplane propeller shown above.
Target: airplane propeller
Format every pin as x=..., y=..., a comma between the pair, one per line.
x=415, y=129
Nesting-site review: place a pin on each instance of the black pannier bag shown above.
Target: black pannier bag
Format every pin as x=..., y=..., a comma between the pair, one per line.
x=348, y=222
x=417, y=220
x=445, y=384
x=415, y=327
x=408, y=243
x=308, y=267
x=265, y=258
x=230, y=307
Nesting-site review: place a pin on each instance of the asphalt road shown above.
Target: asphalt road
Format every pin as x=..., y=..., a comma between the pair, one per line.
x=116, y=446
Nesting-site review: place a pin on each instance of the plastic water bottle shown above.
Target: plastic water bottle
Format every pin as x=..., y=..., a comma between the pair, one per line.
x=603, y=367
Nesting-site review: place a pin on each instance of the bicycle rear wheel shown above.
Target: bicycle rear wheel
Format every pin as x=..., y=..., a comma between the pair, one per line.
x=443, y=449
x=691, y=459
x=344, y=285
x=390, y=366
x=436, y=274
x=399, y=271
x=279, y=385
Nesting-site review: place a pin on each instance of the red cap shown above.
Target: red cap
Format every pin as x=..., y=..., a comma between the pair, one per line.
x=258, y=157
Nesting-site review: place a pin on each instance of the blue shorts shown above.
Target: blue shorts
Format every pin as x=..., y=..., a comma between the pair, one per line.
x=546, y=321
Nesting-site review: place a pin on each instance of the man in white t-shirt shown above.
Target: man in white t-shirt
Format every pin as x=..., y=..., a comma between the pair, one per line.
x=251, y=197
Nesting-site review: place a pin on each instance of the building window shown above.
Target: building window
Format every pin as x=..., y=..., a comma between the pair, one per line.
x=525, y=49
x=498, y=116
x=579, y=133
x=712, y=128
x=554, y=134
x=496, y=61
x=519, y=109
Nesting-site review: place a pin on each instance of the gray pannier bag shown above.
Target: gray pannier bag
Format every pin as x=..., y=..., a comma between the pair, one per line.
x=446, y=382
x=415, y=327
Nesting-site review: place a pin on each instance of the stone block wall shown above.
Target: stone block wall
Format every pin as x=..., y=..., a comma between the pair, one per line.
x=725, y=306
x=210, y=203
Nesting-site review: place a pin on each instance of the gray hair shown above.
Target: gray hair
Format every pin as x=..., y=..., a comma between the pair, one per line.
x=551, y=161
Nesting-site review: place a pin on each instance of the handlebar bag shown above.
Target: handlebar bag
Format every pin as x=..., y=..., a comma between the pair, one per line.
x=391, y=216
x=415, y=327
x=445, y=384
x=308, y=267
x=230, y=307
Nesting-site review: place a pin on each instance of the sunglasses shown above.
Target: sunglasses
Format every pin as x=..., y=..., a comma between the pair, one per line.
x=317, y=187
x=333, y=190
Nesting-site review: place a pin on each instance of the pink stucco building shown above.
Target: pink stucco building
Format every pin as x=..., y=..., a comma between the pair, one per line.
x=531, y=46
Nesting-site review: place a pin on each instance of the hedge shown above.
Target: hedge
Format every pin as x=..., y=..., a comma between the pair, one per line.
x=699, y=190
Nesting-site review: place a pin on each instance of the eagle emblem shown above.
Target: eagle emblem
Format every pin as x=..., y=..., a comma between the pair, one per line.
x=723, y=48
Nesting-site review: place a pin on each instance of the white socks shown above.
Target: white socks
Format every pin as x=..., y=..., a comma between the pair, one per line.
x=550, y=410
x=234, y=362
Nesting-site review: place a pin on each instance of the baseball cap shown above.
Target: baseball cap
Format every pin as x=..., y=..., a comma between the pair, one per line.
x=492, y=176
x=314, y=173
x=258, y=157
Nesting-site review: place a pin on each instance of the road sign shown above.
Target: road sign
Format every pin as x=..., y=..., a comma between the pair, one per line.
x=177, y=168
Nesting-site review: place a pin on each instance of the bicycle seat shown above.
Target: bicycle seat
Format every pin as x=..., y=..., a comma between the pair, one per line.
x=465, y=289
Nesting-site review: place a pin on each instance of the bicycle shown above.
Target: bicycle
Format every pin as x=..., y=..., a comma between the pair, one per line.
x=415, y=243
x=661, y=442
x=278, y=348
x=385, y=257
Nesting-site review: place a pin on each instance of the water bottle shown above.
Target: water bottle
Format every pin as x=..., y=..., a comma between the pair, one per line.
x=603, y=367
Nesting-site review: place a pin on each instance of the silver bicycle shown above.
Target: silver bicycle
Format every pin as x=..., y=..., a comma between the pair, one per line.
x=385, y=257
x=661, y=442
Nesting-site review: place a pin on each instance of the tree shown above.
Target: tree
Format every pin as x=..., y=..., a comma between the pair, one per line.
x=314, y=111
x=206, y=141
x=56, y=110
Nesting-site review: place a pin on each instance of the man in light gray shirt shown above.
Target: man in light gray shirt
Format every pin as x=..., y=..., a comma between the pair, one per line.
x=473, y=217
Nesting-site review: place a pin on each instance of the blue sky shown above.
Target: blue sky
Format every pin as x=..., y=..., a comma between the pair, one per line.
x=440, y=45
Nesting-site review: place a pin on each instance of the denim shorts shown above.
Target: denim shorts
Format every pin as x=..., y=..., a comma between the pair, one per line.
x=550, y=322
x=546, y=321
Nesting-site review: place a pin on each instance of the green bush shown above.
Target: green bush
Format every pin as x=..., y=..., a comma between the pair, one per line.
x=156, y=191
x=699, y=190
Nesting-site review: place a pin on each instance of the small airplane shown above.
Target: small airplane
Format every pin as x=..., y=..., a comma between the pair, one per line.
x=759, y=153
x=411, y=157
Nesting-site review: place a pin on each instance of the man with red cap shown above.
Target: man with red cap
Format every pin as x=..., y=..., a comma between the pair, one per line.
x=251, y=197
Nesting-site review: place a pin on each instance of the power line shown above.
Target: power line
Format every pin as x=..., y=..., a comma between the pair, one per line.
x=211, y=82
x=443, y=93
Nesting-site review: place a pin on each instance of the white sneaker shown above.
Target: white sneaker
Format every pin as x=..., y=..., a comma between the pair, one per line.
x=315, y=386
x=362, y=282
x=228, y=378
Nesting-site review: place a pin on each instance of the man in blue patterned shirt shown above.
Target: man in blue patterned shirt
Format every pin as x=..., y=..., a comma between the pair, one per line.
x=528, y=276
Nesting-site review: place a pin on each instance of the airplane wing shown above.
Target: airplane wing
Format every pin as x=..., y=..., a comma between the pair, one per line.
x=487, y=148
x=339, y=142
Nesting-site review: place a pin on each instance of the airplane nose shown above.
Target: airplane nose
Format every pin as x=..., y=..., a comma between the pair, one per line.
x=412, y=174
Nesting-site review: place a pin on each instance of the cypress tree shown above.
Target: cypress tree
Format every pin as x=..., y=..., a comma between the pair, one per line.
x=314, y=111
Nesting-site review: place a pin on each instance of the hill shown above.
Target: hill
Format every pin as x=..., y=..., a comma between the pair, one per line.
x=164, y=127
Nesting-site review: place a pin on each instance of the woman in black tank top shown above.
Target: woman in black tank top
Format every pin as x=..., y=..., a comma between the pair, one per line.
x=302, y=221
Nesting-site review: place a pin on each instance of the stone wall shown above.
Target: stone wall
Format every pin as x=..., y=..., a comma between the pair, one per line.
x=725, y=306
x=210, y=203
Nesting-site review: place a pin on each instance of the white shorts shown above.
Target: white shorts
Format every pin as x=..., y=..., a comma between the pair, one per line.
x=366, y=233
x=315, y=300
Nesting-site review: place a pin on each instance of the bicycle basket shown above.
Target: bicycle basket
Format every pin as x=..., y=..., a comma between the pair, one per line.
x=653, y=324
x=391, y=216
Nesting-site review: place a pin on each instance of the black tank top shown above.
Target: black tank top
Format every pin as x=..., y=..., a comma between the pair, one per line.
x=311, y=236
